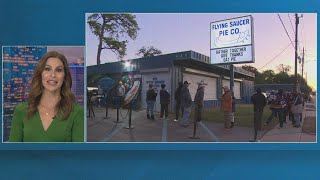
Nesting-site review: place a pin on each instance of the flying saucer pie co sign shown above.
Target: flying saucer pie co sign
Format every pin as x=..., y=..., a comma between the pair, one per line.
x=231, y=41
x=132, y=92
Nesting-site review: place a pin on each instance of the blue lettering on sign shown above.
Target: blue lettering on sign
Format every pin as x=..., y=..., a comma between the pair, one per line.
x=219, y=26
x=223, y=33
x=235, y=31
x=240, y=22
x=159, y=82
x=232, y=35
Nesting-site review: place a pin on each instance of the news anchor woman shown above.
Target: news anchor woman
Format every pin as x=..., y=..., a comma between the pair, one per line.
x=51, y=114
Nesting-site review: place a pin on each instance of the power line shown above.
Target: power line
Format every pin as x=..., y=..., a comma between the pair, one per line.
x=291, y=24
x=276, y=56
x=285, y=30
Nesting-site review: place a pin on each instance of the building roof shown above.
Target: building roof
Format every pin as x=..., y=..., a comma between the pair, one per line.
x=189, y=59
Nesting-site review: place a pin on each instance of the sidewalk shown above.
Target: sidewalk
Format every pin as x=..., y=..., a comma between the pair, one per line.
x=289, y=133
x=100, y=129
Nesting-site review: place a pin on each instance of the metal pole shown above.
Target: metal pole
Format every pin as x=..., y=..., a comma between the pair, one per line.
x=89, y=104
x=232, y=79
x=118, y=108
x=194, y=136
x=130, y=115
x=296, y=54
x=107, y=111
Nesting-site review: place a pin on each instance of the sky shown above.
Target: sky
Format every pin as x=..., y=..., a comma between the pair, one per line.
x=183, y=32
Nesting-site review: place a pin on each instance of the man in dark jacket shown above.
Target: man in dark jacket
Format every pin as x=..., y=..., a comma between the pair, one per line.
x=177, y=97
x=198, y=103
x=259, y=102
x=151, y=99
x=164, y=101
x=185, y=104
x=279, y=106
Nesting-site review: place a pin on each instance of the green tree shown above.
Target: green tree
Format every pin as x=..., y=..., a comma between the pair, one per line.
x=112, y=30
x=282, y=78
x=148, y=51
x=268, y=77
x=258, y=79
x=304, y=87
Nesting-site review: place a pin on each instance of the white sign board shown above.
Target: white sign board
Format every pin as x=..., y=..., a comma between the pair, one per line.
x=231, y=41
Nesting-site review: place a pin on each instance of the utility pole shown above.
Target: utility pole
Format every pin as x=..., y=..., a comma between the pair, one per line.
x=296, y=54
x=302, y=62
x=307, y=78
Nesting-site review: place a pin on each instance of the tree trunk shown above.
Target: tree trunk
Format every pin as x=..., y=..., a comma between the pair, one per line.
x=100, y=40
x=99, y=52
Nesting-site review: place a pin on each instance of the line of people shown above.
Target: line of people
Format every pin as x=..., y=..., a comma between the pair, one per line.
x=285, y=105
x=184, y=104
x=282, y=105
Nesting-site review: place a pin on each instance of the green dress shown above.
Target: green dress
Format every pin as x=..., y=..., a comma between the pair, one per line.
x=69, y=130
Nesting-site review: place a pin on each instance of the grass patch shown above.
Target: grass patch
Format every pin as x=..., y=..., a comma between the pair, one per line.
x=243, y=115
x=309, y=125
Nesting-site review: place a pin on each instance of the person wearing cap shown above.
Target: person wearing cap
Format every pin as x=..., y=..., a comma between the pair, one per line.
x=151, y=99
x=164, y=101
x=198, y=103
x=259, y=102
x=226, y=107
x=185, y=104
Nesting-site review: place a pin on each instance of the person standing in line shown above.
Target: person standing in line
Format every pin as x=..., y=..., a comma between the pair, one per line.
x=164, y=101
x=151, y=99
x=233, y=111
x=271, y=100
x=259, y=102
x=289, y=100
x=299, y=94
x=121, y=90
x=296, y=109
x=286, y=107
x=185, y=104
x=226, y=107
x=279, y=106
x=198, y=103
x=177, y=97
